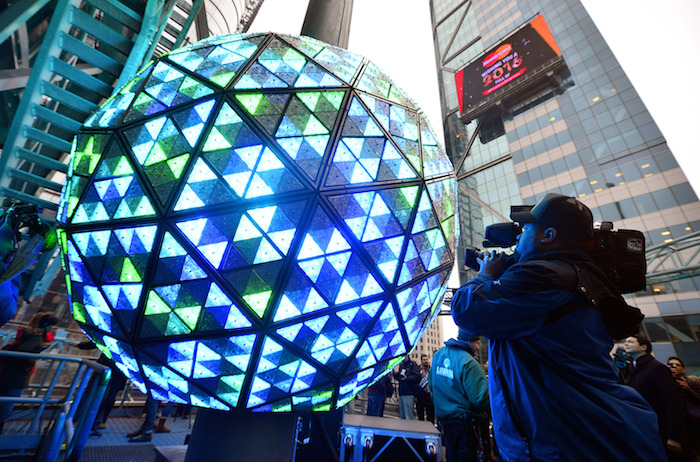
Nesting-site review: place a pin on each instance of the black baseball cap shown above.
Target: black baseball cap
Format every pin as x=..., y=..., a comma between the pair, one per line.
x=566, y=214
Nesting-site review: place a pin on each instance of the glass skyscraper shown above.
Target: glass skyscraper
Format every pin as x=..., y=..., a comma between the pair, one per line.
x=587, y=135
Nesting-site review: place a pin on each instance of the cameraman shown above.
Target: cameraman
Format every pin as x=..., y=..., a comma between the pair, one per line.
x=554, y=388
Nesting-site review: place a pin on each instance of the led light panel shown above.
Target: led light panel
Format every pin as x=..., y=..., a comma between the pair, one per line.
x=257, y=221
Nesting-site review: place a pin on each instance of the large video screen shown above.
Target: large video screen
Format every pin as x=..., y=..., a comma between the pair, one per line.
x=506, y=64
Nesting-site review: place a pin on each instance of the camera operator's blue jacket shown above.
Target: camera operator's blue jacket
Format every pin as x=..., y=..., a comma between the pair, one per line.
x=554, y=387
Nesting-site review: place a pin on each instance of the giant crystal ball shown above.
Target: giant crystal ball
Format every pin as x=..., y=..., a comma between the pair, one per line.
x=257, y=221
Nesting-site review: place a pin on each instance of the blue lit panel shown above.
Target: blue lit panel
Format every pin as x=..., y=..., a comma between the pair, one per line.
x=259, y=222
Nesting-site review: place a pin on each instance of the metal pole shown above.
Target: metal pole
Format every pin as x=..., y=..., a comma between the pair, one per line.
x=329, y=21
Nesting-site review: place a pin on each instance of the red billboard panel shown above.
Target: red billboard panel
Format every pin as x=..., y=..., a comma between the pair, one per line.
x=506, y=64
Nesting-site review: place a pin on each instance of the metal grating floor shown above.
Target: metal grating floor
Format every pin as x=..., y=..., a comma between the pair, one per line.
x=123, y=453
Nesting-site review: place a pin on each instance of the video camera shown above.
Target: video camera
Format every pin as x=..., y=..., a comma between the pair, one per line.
x=620, y=254
x=22, y=221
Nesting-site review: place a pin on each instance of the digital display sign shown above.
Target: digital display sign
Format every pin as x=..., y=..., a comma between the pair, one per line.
x=506, y=65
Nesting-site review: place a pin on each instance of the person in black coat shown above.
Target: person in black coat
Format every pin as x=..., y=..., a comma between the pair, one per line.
x=657, y=386
x=408, y=376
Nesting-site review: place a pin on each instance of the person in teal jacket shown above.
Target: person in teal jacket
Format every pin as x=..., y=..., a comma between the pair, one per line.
x=553, y=386
x=460, y=393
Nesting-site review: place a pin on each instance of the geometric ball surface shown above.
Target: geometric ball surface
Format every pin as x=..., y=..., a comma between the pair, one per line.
x=257, y=221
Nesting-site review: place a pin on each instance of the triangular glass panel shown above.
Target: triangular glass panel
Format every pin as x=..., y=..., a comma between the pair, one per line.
x=271, y=176
x=375, y=82
x=267, y=109
x=87, y=152
x=221, y=312
x=353, y=384
x=171, y=87
x=359, y=122
x=278, y=66
x=382, y=338
x=386, y=254
x=175, y=264
x=203, y=188
x=236, y=353
x=124, y=300
x=328, y=339
x=425, y=218
x=123, y=357
x=435, y=161
x=393, y=165
x=322, y=237
x=163, y=152
x=280, y=373
x=299, y=297
x=109, y=114
x=279, y=222
x=254, y=285
x=412, y=267
x=218, y=63
x=314, y=76
x=191, y=121
x=342, y=63
x=398, y=121
x=444, y=195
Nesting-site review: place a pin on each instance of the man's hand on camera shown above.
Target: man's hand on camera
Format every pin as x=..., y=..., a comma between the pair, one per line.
x=493, y=263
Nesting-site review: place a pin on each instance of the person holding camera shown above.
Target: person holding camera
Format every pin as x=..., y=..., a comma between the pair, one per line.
x=554, y=388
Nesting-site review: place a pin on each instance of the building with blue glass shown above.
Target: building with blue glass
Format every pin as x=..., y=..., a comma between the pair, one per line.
x=580, y=130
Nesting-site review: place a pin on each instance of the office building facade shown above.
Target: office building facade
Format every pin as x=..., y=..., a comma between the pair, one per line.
x=585, y=134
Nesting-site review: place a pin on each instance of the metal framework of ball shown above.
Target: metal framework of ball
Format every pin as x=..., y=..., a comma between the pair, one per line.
x=259, y=222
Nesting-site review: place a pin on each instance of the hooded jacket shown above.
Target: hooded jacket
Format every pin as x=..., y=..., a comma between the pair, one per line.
x=554, y=388
x=458, y=383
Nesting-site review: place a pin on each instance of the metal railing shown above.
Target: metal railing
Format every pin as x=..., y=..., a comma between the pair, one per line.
x=62, y=403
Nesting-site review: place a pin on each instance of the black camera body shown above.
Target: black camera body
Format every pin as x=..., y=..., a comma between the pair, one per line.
x=20, y=221
x=620, y=254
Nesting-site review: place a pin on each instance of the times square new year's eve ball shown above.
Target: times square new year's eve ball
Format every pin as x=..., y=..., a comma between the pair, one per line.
x=257, y=221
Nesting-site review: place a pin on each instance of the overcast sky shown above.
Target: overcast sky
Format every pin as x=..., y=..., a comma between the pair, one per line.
x=655, y=42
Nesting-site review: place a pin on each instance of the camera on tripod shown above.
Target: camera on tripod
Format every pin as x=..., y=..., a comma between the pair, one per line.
x=620, y=254
x=22, y=221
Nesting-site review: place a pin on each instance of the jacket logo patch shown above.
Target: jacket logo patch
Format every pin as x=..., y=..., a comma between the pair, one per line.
x=445, y=370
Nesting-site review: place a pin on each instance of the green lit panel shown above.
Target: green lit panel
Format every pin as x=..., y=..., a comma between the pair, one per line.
x=163, y=152
x=87, y=152
x=259, y=222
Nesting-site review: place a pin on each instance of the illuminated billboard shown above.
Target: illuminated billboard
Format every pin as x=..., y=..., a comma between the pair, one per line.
x=507, y=67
